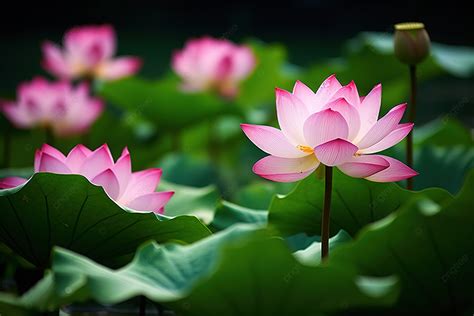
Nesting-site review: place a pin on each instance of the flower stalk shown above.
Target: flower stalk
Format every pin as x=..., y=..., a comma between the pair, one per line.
x=50, y=139
x=411, y=118
x=411, y=46
x=326, y=213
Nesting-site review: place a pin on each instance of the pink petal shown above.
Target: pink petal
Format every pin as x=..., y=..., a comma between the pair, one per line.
x=142, y=182
x=152, y=202
x=17, y=115
x=90, y=44
x=364, y=166
x=80, y=119
x=119, y=68
x=243, y=62
x=98, y=161
x=327, y=90
x=54, y=61
x=109, y=182
x=391, y=139
x=306, y=95
x=324, y=126
x=396, y=171
x=271, y=141
x=369, y=109
x=350, y=114
x=335, y=152
x=84, y=149
x=11, y=182
x=348, y=92
x=291, y=114
x=49, y=163
x=123, y=170
x=37, y=160
x=53, y=152
x=285, y=169
x=383, y=127
x=76, y=158
x=224, y=68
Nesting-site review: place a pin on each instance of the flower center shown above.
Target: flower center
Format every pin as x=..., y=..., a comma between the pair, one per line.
x=305, y=149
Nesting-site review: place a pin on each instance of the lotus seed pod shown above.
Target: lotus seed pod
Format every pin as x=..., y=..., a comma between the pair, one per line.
x=411, y=43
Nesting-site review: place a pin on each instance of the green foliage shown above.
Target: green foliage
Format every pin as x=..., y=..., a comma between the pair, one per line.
x=355, y=203
x=68, y=211
x=158, y=101
x=230, y=273
x=381, y=233
x=428, y=244
x=228, y=214
x=259, y=88
x=200, y=202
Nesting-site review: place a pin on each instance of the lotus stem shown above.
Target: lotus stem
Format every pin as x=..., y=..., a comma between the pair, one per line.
x=50, y=139
x=411, y=118
x=85, y=138
x=326, y=212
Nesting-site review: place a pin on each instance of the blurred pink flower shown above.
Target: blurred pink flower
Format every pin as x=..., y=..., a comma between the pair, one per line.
x=335, y=127
x=207, y=63
x=135, y=190
x=88, y=52
x=65, y=109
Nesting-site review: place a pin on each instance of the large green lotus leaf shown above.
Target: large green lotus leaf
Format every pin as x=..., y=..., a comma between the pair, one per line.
x=443, y=166
x=228, y=214
x=187, y=170
x=162, y=102
x=258, y=195
x=241, y=271
x=311, y=255
x=444, y=132
x=355, y=203
x=68, y=211
x=201, y=202
x=444, y=153
x=429, y=246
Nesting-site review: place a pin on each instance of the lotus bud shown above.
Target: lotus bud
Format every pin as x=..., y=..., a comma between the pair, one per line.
x=411, y=43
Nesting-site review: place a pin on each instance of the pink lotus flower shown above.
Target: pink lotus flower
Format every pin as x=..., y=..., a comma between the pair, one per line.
x=135, y=190
x=207, y=63
x=335, y=127
x=59, y=106
x=88, y=52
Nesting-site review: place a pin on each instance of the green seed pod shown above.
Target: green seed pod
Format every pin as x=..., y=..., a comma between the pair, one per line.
x=411, y=43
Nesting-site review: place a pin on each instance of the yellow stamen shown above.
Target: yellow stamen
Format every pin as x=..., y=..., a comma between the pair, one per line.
x=305, y=149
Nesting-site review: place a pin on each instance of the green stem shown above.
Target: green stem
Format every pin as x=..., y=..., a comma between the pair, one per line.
x=85, y=139
x=50, y=139
x=411, y=119
x=326, y=211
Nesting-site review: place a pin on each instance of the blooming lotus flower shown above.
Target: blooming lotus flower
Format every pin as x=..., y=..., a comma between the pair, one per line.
x=65, y=109
x=207, y=63
x=88, y=52
x=335, y=127
x=135, y=190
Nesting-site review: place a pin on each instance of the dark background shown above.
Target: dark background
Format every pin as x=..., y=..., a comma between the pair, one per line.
x=152, y=29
